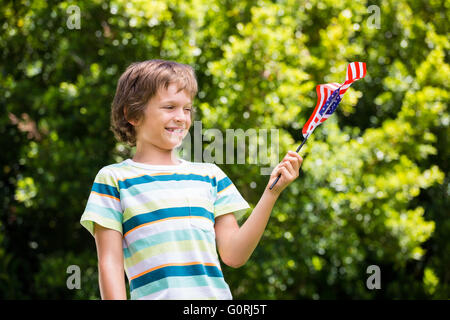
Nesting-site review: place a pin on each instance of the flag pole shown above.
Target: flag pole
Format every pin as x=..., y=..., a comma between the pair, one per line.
x=307, y=136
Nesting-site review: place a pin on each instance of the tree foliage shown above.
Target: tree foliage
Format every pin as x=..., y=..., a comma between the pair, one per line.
x=374, y=186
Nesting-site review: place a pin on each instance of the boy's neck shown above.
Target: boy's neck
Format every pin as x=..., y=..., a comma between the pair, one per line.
x=156, y=158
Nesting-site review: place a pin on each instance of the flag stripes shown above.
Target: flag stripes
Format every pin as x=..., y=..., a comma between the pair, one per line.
x=328, y=98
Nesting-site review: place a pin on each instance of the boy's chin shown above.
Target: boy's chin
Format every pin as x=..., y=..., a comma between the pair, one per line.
x=172, y=146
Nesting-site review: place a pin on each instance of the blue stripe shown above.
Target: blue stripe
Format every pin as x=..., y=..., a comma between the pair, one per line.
x=175, y=271
x=124, y=184
x=156, y=215
x=222, y=184
x=201, y=212
x=105, y=189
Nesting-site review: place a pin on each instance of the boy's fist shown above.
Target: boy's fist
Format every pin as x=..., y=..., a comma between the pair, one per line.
x=289, y=168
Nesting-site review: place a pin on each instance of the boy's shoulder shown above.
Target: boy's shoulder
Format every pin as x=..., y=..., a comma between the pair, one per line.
x=113, y=167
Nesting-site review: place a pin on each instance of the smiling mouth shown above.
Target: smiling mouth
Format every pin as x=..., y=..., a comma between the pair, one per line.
x=177, y=132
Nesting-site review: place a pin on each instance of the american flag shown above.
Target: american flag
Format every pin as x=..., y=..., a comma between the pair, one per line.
x=329, y=95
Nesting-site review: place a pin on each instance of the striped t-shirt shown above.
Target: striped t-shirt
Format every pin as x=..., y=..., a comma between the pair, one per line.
x=166, y=215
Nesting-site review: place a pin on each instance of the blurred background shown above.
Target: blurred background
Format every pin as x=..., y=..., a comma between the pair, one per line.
x=374, y=186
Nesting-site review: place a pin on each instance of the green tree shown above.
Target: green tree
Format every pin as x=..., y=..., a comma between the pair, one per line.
x=374, y=185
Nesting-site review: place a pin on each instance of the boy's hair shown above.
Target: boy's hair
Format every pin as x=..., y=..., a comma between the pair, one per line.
x=138, y=84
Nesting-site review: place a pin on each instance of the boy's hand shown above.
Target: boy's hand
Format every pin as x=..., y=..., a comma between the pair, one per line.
x=289, y=168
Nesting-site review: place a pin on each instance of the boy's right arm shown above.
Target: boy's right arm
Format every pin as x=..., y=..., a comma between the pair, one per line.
x=110, y=263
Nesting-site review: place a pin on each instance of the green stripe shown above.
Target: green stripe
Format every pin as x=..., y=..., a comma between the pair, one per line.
x=88, y=218
x=167, y=236
x=104, y=176
x=174, y=246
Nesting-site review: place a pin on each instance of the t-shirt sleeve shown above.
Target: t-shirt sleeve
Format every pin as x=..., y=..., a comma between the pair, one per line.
x=228, y=199
x=103, y=206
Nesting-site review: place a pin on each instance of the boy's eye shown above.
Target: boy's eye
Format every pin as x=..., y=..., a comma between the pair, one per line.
x=171, y=107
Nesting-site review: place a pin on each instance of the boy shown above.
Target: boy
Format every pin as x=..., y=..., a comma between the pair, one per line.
x=162, y=219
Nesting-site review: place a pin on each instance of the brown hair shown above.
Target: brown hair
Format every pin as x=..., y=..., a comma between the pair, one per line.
x=138, y=84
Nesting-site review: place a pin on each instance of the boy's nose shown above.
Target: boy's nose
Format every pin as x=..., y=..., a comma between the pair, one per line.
x=180, y=116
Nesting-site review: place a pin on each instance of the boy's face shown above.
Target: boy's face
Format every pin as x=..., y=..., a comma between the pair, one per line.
x=167, y=119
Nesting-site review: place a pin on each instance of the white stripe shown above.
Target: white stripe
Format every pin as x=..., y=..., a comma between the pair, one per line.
x=177, y=197
x=312, y=123
x=321, y=97
x=163, y=187
x=128, y=171
x=354, y=75
x=152, y=229
x=361, y=70
x=104, y=201
x=189, y=294
x=332, y=86
x=345, y=86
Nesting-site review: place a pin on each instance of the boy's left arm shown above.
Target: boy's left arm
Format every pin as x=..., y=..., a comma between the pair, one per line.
x=236, y=244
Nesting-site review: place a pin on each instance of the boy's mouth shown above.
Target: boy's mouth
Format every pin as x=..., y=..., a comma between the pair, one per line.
x=175, y=131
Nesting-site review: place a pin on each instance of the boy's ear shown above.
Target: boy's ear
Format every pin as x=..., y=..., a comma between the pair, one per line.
x=125, y=115
x=125, y=112
x=134, y=122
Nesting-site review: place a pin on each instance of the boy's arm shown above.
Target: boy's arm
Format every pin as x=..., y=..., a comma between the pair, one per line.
x=236, y=244
x=110, y=263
